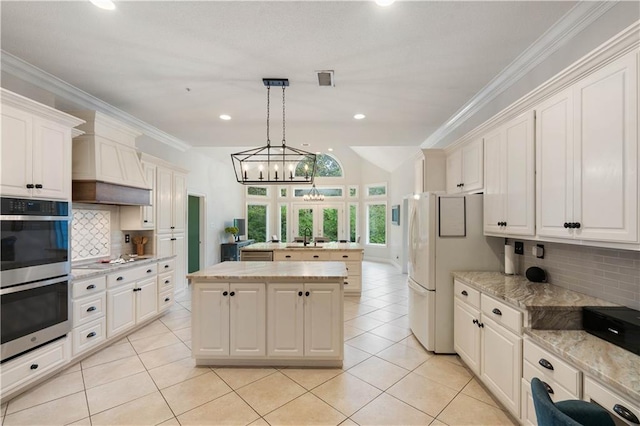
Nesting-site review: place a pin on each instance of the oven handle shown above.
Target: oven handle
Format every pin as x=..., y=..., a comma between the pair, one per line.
x=24, y=218
x=36, y=284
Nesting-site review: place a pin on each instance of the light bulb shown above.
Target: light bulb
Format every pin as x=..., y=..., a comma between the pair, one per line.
x=104, y=4
x=384, y=3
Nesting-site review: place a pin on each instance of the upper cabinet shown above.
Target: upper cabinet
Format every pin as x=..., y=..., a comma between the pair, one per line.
x=465, y=168
x=141, y=217
x=509, y=178
x=36, y=149
x=171, y=200
x=587, y=157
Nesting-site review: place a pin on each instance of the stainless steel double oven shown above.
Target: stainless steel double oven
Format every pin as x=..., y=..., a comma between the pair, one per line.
x=34, y=280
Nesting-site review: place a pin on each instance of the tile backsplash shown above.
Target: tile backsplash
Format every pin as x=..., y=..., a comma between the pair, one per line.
x=95, y=232
x=612, y=275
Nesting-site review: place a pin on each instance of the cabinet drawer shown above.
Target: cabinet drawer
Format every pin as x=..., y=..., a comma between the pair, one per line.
x=346, y=255
x=558, y=370
x=129, y=275
x=467, y=294
x=286, y=255
x=165, y=300
x=354, y=268
x=559, y=392
x=89, y=308
x=166, y=266
x=315, y=255
x=83, y=288
x=28, y=367
x=89, y=335
x=501, y=313
x=165, y=282
x=611, y=401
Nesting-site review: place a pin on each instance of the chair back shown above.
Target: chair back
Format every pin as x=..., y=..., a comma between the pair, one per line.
x=547, y=413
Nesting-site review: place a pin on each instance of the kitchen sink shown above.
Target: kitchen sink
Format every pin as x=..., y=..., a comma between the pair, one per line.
x=300, y=245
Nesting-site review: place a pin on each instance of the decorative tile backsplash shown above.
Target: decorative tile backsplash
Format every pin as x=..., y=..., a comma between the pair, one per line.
x=91, y=234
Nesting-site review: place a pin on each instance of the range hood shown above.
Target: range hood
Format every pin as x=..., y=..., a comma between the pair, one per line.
x=106, y=168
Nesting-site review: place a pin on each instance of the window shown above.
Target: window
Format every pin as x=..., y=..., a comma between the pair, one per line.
x=259, y=191
x=327, y=192
x=353, y=191
x=257, y=219
x=282, y=192
x=353, y=222
x=283, y=222
x=377, y=223
x=377, y=190
x=327, y=166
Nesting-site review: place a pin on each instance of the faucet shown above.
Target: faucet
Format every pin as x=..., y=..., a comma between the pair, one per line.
x=305, y=241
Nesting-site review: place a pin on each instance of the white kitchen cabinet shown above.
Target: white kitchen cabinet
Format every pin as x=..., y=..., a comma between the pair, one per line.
x=465, y=171
x=170, y=245
x=509, y=178
x=623, y=410
x=146, y=299
x=232, y=318
x=587, y=156
x=467, y=334
x=132, y=298
x=141, y=217
x=171, y=201
x=303, y=320
x=121, y=309
x=36, y=149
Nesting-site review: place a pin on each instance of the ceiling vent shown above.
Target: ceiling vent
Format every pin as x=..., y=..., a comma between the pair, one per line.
x=325, y=78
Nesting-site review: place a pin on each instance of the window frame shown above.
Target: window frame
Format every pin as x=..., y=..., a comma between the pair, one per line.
x=348, y=221
x=279, y=221
x=386, y=223
x=261, y=197
x=267, y=205
x=376, y=185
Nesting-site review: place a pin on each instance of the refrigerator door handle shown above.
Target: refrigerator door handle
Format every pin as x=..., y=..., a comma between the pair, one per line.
x=418, y=288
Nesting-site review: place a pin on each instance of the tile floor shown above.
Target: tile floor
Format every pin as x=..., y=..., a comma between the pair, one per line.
x=149, y=378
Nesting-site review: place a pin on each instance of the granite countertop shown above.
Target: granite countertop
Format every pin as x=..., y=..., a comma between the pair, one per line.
x=300, y=246
x=610, y=364
x=82, y=270
x=253, y=271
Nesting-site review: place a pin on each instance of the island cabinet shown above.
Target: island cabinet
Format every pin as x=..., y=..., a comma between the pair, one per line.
x=268, y=313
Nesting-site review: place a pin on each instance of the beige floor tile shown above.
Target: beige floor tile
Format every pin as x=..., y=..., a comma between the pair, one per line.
x=413, y=343
x=147, y=344
x=183, y=334
x=350, y=332
x=437, y=422
x=174, y=324
x=444, y=372
x=171, y=422
x=376, y=303
x=152, y=329
x=259, y=422
x=348, y=422
x=364, y=323
x=72, y=369
x=393, y=297
x=386, y=410
x=165, y=355
x=178, y=312
x=108, y=354
x=305, y=410
x=382, y=315
x=50, y=390
x=188, y=344
x=402, y=321
x=455, y=359
x=261, y=397
x=404, y=356
x=191, y=393
x=391, y=332
x=82, y=422
x=239, y=377
x=61, y=411
x=111, y=371
x=353, y=356
x=112, y=394
x=370, y=343
x=148, y=410
x=465, y=410
x=229, y=409
x=309, y=378
x=398, y=309
x=378, y=372
x=346, y=393
x=424, y=394
x=176, y=372
x=475, y=390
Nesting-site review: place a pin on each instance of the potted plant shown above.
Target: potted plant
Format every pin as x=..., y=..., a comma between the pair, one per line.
x=233, y=231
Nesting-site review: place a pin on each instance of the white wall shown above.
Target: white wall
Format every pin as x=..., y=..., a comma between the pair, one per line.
x=400, y=185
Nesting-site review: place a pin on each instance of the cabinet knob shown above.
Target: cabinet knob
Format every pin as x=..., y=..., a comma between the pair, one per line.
x=548, y=388
x=173, y=239
x=91, y=287
x=315, y=256
x=145, y=221
x=566, y=225
x=626, y=414
x=90, y=335
x=288, y=256
x=475, y=321
x=576, y=225
x=30, y=186
x=167, y=281
x=167, y=299
x=224, y=293
x=497, y=311
x=149, y=271
x=33, y=366
x=345, y=256
x=173, y=227
x=546, y=364
x=299, y=293
x=119, y=278
x=233, y=293
x=38, y=186
x=91, y=309
x=306, y=293
x=481, y=325
x=166, y=266
x=464, y=293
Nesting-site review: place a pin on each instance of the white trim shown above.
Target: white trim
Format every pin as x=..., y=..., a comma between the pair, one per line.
x=279, y=221
x=349, y=188
x=367, y=204
x=575, y=20
x=348, y=220
x=376, y=185
x=255, y=196
x=25, y=71
x=267, y=204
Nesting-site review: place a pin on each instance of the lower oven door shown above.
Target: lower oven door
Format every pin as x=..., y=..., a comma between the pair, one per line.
x=34, y=314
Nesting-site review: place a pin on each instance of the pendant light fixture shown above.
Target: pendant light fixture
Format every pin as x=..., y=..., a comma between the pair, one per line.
x=313, y=195
x=267, y=165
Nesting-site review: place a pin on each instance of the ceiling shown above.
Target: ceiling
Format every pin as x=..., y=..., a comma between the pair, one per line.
x=178, y=65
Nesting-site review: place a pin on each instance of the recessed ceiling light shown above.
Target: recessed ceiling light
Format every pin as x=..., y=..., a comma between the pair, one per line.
x=330, y=149
x=104, y=4
x=225, y=117
x=359, y=116
x=384, y=3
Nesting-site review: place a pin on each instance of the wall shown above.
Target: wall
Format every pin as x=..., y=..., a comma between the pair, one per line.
x=371, y=174
x=401, y=184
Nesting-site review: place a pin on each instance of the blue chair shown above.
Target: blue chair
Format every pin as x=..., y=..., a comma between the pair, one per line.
x=566, y=413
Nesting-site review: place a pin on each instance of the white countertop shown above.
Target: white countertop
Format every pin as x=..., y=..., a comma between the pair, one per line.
x=94, y=269
x=253, y=271
x=301, y=247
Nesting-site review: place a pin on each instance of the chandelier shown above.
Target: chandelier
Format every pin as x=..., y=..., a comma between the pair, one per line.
x=313, y=195
x=267, y=165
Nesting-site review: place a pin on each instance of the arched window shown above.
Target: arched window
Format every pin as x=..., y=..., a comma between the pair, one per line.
x=327, y=166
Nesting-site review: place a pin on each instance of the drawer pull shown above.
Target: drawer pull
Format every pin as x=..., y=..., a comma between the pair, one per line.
x=299, y=293
x=167, y=281
x=288, y=256
x=91, y=309
x=548, y=388
x=315, y=256
x=497, y=311
x=33, y=366
x=475, y=321
x=481, y=325
x=546, y=364
x=464, y=293
x=306, y=293
x=119, y=278
x=149, y=271
x=345, y=256
x=626, y=414
x=233, y=293
x=137, y=289
x=167, y=299
x=91, y=287
x=39, y=186
x=166, y=266
x=346, y=283
x=90, y=335
x=224, y=293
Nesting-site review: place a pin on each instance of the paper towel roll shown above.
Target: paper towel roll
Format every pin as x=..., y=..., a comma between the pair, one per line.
x=509, y=260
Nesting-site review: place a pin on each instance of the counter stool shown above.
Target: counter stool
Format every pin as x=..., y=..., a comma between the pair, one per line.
x=566, y=413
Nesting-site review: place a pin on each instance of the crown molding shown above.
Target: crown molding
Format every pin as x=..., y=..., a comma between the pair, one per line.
x=575, y=20
x=17, y=67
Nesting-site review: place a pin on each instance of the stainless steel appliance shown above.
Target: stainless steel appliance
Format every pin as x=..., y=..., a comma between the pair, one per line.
x=34, y=284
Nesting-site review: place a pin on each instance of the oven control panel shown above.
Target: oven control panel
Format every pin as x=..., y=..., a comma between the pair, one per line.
x=31, y=207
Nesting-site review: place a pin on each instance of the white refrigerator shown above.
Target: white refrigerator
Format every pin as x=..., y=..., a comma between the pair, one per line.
x=445, y=234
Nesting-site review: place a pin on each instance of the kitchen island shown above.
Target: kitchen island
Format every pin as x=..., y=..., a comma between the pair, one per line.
x=268, y=313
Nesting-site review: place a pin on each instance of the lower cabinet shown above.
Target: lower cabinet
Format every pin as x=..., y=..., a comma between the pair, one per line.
x=302, y=320
x=130, y=304
x=232, y=318
x=467, y=334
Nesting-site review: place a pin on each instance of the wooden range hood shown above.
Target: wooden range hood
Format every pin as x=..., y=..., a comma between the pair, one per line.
x=106, y=168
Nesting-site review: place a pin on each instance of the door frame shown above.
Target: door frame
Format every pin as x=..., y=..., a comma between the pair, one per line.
x=202, y=235
x=317, y=217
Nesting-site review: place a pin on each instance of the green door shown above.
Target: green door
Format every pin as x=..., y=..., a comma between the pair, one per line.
x=193, y=232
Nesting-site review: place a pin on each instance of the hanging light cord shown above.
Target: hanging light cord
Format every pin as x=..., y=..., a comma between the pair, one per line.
x=283, y=121
x=268, y=97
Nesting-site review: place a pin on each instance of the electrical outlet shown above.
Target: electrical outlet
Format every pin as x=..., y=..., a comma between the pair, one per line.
x=127, y=238
x=519, y=247
x=539, y=248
